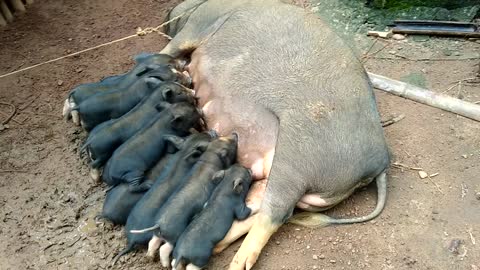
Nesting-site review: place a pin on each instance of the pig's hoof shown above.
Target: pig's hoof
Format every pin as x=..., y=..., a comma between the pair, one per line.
x=151, y=256
x=66, y=108
x=192, y=267
x=75, y=118
x=95, y=174
x=256, y=239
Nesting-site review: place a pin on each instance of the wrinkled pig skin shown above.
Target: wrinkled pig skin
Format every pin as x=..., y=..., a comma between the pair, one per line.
x=143, y=60
x=279, y=77
x=137, y=155
x=112, y=104
x=177, y=212
x=227, y=203
x=170, y=181
x=106, y=137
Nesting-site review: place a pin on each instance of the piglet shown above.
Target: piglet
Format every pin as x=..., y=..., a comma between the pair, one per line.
x=144, y=63
x=227, y=203
x=108, y=136
x=137, y=155
x=169, y=182
x=120, y=200
x=112, y=104
x=178, y=211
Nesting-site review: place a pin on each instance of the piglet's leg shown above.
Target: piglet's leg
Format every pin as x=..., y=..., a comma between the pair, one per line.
x=153, y=246
x=165, y=251
x=134, y=179
x=192, y=267
x=240, y=228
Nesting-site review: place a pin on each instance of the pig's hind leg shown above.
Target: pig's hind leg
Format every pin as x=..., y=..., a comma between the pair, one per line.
x=164, y=252
x=153, y=246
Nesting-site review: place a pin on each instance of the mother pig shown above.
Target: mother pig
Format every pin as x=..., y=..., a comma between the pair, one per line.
x=299, y=100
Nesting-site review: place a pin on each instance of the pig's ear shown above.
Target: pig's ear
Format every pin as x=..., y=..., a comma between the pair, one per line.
x=142, y=56
x=162, y=106
x=174, y=143
x=223, y=154
x=194, y=156
x=237, y=185
x=197, y=152
x=218, y=177
x=167, y=94
x=146, y=69
x=176, y=122
x=152, y=82
x=202, y=147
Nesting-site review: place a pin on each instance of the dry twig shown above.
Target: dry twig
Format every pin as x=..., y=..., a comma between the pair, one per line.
x=12, y=113
x=392, y=120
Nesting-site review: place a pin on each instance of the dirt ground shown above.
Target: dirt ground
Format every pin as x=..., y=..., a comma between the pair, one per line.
x=47, y=200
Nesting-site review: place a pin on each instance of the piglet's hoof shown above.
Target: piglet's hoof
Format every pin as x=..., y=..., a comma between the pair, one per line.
x=95, y=174
x=75, y=118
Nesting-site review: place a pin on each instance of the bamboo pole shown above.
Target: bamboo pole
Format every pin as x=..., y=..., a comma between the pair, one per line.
x=437, y=100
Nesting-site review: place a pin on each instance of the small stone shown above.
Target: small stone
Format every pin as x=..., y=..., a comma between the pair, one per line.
x=422, y=174
x=277, y=242
x=79, y=70
x=477, y=195
x=465, y=156
x=7, y=126
x=59, y=82
x=70, y=39
x=435, y=212
x=454, y=245
x=333, y=261
x=392, y=52
x=456, y=53
x=315, y=257
x=398, y=37
x=447, y=52
x=315, y=267
x=321, y=257
x=2, y=127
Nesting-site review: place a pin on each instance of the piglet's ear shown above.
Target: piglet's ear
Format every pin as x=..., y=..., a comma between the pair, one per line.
x=142, y=57
x=237, y=185
x=146, y=69
x=162, y=106
x=202, y=147
x=223, y=153
x=218, y=177
x=174, y=143
x=176, y=122
x=167, y=94
x=193, y=156
x=152, y=82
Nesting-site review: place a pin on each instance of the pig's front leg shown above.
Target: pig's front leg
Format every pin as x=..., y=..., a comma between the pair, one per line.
x=143, y=187
x=134, y=178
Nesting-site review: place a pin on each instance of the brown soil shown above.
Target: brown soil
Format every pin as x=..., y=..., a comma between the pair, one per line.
x=47, y=201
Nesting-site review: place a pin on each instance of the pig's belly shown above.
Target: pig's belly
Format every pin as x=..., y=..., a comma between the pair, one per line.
x=226, y=112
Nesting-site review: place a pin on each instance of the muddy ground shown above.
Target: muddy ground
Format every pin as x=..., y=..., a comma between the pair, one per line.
x=47, y=200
